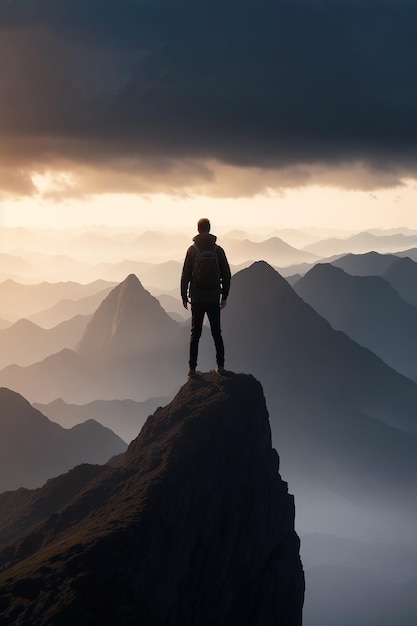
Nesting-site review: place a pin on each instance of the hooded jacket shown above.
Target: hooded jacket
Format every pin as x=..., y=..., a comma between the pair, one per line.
x=204, y=241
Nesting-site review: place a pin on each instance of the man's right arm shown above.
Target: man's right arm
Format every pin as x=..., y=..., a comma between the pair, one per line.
x=225, y=273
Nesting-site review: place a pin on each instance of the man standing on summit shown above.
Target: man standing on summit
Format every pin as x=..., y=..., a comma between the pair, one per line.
x=206, y=279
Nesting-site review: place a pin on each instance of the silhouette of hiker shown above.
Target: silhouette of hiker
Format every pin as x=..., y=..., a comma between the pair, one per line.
x=206, y=279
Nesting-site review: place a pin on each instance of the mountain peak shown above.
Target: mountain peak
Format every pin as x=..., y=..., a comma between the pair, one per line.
x=132, y=280
x=196, y=520
x=128, y=320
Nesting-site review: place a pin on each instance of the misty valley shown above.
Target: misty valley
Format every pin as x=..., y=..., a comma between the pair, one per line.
x=94, y=340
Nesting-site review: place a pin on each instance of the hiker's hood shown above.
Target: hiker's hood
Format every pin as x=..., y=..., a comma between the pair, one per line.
x=205, y=241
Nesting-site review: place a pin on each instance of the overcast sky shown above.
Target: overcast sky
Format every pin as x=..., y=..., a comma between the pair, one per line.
x=219, y=99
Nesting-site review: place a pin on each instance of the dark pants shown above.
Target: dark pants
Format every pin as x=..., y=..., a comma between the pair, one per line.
x=198, y=310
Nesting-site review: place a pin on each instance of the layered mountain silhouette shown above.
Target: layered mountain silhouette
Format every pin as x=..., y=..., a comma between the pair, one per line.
x=24, y=342
x=12, y=266
x=362, y=242
x=368, y=309
x=33, y=449
x=402, y=275
x=368, y=264
x=399, y=271
x=193, y=525
x=274, y=250
x=21, y=301
x=410, y=253
x=67, y=309
x=131, y=348
x=342, y=398
x=337, y=402
x=164, y=275
x=123, y=417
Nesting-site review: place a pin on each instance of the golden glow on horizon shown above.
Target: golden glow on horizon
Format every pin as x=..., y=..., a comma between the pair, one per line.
x=322, y=207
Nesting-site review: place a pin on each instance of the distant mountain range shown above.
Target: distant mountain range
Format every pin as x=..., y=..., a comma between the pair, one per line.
x=362, y=242
x=367, y=264
x=131, y=348
x=24, y=342
x=411, y=253
x=123, y=417
x=33, y=449
x=21, y=301
x=274, y=250
x=402, y=275
x=368, y=309
x=11, y=265
x=399, y=271
x=67, y=309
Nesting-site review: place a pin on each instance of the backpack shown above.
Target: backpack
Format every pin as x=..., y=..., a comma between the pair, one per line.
x=206, y=271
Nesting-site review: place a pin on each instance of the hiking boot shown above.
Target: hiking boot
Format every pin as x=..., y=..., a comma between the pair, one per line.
x=220, y=369
x=191, y=372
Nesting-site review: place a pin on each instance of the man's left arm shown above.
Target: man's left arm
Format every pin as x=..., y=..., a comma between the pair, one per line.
x=225, y=275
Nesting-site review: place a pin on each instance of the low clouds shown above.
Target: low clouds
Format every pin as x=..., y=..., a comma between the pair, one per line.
x=228, y=98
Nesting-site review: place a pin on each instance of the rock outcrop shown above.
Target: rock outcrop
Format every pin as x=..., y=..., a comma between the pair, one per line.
x=193, y=527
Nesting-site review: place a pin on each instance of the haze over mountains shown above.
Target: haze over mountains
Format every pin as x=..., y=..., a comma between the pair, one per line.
x=123, y=417
x=24, y=342
x=33, y=449
x=23, y=301
x=128, y=339
x=331, y=390
x=362, y=242
x=342, y=414
x=368, y=309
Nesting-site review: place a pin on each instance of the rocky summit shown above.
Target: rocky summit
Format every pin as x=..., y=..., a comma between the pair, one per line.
x=192, y=526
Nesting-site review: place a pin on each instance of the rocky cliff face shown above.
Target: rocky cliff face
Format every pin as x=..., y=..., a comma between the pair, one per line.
x=193, y=527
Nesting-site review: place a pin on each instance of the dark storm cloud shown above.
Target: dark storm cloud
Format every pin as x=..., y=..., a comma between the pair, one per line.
x=266, y=84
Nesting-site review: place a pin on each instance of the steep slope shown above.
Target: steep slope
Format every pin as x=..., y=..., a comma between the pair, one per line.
x=411, y=253
x=33, y=449
x=129, y=320
x=343, y=413
x=195, y=526
x=399, y=271
x=367, y=309
x=402, y=275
